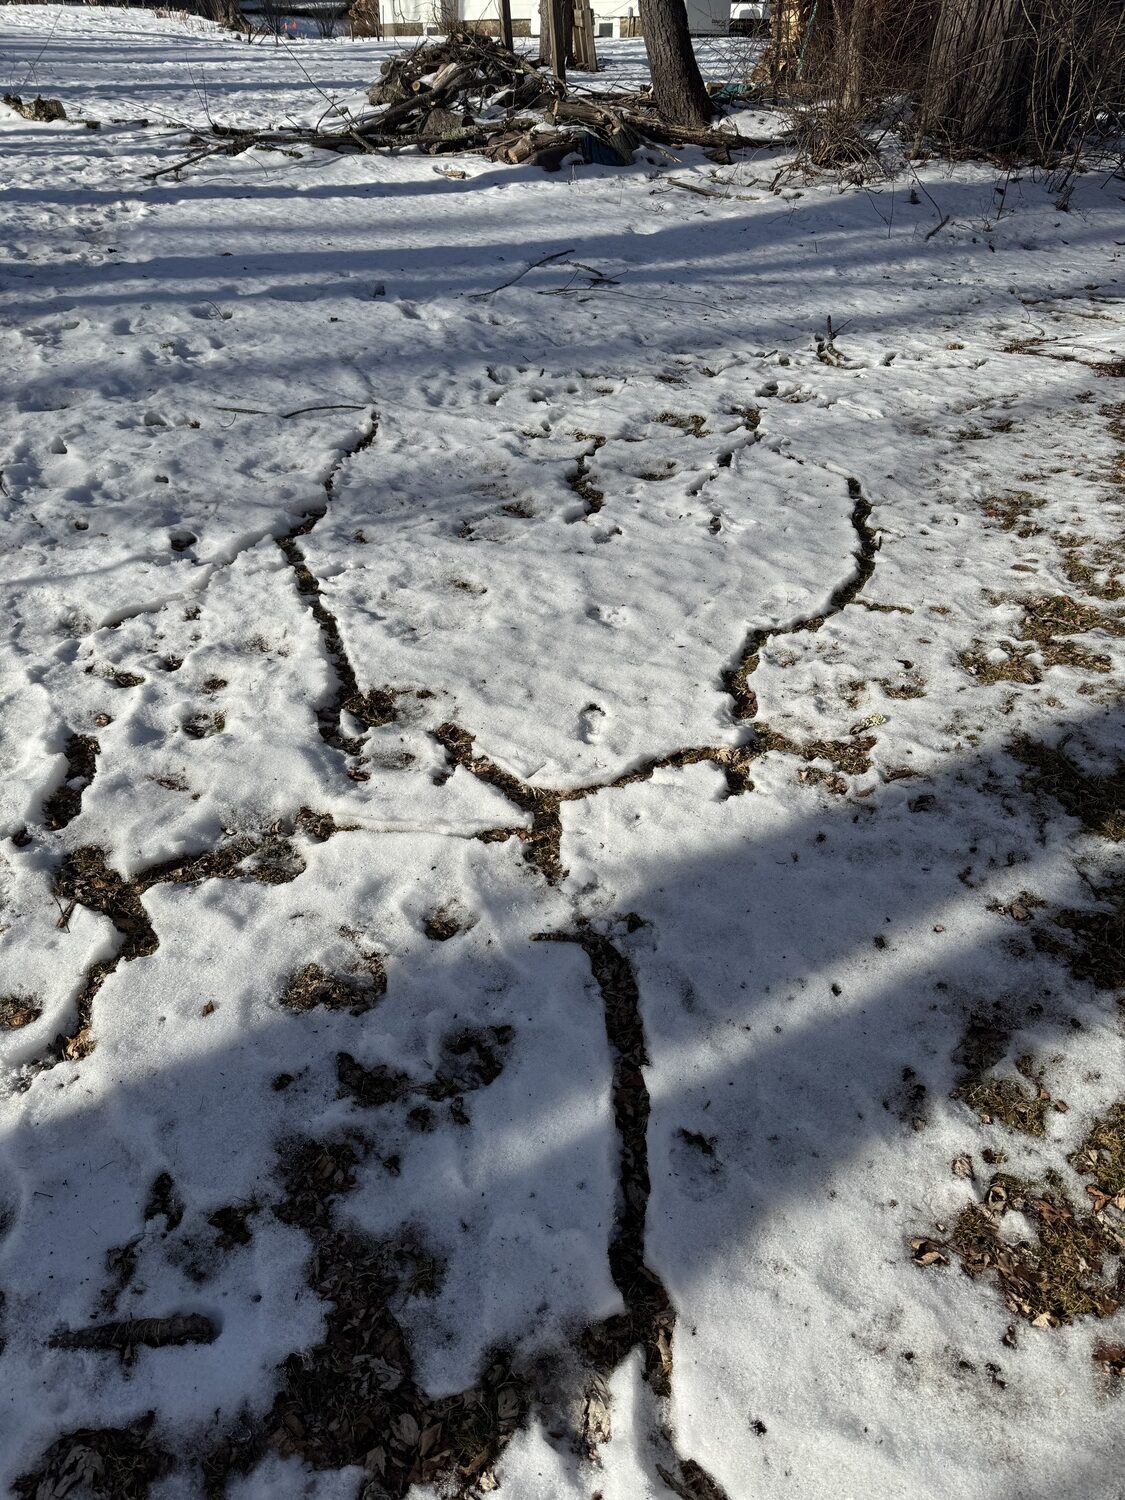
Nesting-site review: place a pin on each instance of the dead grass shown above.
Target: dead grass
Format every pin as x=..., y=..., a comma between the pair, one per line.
x=850, y=756
x=912, y=685
x=443, y=923
x=1053, y=1278
x=1015, y=666
x=998, y=1100
x=1070, y=654
x=1097, y=801
x=1105, y=557
x=1095, y=951
x=312, y=987
x=1005, y=1101
x=1102, y=1153
x=1047, y=615
x=579, y=481
x=695, y=424
x=18, y=1010
x=202, y=726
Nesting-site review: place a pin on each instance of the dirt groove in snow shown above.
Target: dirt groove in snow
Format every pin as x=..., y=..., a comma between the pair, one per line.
x=543, y=841
x=814, y=743
x=736, y=680
x=371, y=708
x=649, y=1320
x=85, y=879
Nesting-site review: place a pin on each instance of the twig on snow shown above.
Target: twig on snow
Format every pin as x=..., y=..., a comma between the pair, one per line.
x=546, y=261
x=298, y=411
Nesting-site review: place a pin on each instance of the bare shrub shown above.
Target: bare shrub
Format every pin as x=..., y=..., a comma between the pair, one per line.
x=364, y=19
x=1031, y=77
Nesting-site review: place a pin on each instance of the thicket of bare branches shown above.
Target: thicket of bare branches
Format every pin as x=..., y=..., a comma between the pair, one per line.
x=1033, y=77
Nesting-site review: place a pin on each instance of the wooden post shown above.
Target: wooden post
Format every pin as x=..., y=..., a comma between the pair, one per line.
x=556, y=38
x=506, y=23
x=583, y=47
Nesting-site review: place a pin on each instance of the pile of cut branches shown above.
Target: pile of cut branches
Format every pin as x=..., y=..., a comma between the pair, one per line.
x=468, y=92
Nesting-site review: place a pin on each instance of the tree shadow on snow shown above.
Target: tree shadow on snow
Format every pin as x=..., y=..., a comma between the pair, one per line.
x=790, y=981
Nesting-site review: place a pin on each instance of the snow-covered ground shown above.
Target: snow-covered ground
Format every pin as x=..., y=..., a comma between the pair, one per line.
x=402, y=569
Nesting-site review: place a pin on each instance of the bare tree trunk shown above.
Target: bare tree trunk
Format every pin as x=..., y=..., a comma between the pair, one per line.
x=980, y=72
x=853, y=31
x=677, y=84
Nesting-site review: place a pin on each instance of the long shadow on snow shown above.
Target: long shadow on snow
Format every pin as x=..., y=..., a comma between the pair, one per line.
x=718, y=243
x=780, y=911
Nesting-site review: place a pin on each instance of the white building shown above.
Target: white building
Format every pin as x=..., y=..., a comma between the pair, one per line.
x=612, y=18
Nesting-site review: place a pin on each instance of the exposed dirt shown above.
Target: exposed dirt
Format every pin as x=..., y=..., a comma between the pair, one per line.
x=352, y=1399
x=542, y=841
x=372, y=708
x=736, y=680
x=85, y=879
x=164, y=1202
x=649, y=1318
x=470, y=1058
x=65, y=803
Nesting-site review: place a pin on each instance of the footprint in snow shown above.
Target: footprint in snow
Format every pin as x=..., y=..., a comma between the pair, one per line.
x=591, y=722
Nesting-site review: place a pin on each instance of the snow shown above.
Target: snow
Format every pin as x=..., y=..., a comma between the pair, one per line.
x=556, y=514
